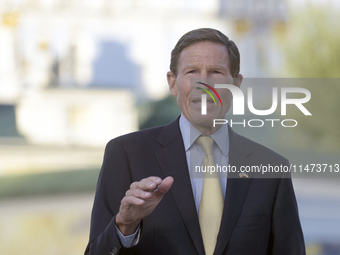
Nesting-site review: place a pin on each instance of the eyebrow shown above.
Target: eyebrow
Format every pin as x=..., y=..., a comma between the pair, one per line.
x=190, y=67
x=219, y=68
x=210, y=67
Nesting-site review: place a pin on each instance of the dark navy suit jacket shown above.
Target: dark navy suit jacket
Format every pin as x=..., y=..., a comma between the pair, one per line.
x=260, y=214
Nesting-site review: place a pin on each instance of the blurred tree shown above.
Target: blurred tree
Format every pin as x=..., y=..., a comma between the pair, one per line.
x=311, y=49
x=8, y=124
x=156, y=113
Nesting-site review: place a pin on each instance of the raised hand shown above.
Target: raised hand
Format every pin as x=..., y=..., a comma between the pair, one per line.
x=139, y=201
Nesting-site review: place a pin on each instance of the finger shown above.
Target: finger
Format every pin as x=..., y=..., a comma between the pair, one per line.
x=155, y=179
x=129, y=201
x=165, y=186
x=147, y=184
x=138, y=193
x=153, y=183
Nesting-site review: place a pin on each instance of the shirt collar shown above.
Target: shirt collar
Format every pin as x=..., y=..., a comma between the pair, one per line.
x=190, y=134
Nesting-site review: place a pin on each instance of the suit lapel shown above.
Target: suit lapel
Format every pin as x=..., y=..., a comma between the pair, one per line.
x=173, y=163
x=237, y=190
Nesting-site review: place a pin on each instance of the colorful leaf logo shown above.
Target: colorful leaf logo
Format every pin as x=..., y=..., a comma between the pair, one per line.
x=209, y=93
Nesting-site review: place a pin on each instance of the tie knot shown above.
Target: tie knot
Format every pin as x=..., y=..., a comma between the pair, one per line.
x=206, y=142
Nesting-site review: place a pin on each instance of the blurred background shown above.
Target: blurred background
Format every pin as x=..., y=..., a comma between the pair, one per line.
x=75, y=74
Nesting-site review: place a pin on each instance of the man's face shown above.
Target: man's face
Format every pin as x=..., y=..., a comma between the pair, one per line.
x=207, y=62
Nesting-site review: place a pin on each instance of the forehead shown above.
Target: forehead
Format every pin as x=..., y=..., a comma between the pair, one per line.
x=204, y=53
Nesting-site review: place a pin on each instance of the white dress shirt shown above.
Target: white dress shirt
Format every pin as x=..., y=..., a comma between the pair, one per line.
x=195, y=156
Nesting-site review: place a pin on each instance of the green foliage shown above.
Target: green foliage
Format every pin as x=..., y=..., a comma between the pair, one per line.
x=158, y=113
x=311, y=49
x=56, y=183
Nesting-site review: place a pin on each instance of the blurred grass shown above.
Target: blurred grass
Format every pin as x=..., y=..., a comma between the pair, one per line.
x=63, y=182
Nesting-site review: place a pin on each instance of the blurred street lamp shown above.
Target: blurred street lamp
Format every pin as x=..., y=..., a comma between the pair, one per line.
x=10, y=19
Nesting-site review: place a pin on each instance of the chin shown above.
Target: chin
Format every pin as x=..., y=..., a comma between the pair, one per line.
x=213, y=112
x=203, y=121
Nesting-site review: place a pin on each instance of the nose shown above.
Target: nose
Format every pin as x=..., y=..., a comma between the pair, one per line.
x=204, y=85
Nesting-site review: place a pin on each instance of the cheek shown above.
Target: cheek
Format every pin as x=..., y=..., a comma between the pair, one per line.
x=225, y=95
x=226, y=98
x=184, y=91
x=182, y=97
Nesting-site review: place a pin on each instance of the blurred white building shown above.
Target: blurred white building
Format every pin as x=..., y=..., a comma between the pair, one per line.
x=74, y=69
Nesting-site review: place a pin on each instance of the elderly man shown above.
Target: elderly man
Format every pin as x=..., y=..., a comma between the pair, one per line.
x=150, y=201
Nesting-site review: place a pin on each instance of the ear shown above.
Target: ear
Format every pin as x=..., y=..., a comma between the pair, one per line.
x=238, y=80
x=172, y=83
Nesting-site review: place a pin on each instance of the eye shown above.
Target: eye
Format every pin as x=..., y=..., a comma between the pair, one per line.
x=191, y=71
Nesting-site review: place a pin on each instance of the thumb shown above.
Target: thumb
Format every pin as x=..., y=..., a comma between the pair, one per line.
x=165, y=185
